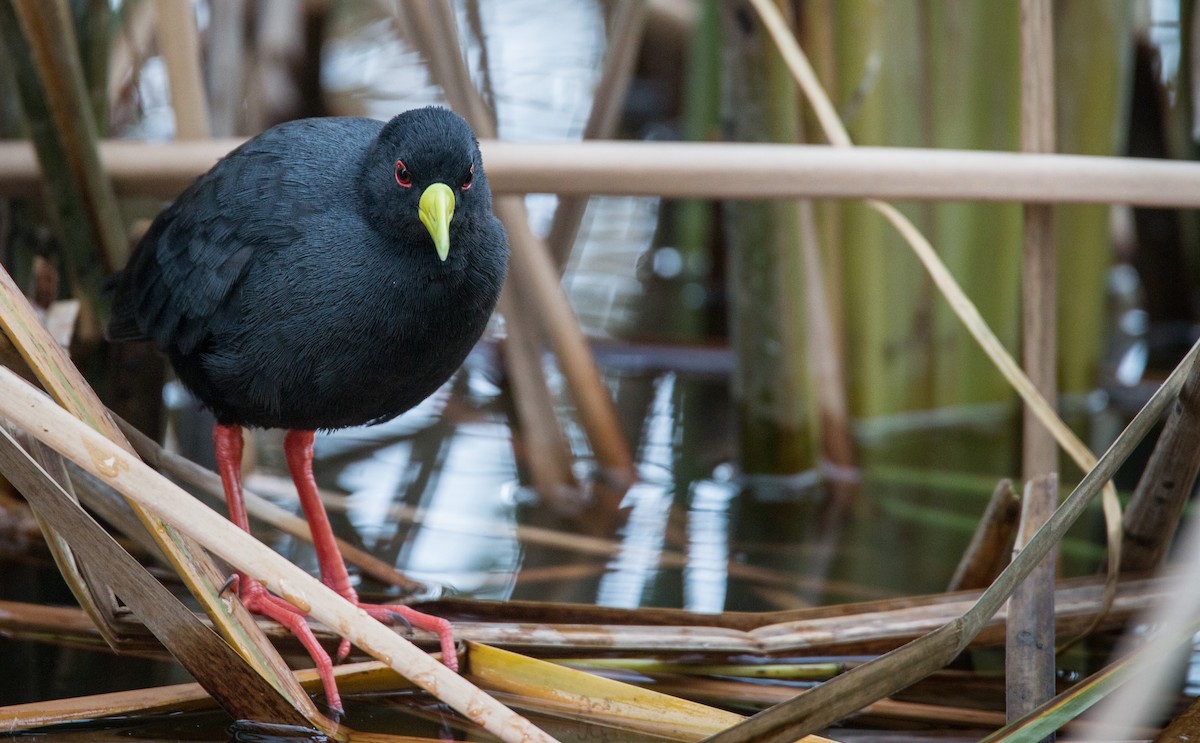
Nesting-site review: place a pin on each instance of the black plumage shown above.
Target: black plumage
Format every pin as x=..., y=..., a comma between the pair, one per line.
x=293, y=285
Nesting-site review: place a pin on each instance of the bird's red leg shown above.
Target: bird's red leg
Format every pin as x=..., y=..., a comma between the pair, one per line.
x=227, y=441
x=298, y=445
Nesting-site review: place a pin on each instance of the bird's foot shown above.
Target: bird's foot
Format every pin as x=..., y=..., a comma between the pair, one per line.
x=410, y=617
x=259, y=600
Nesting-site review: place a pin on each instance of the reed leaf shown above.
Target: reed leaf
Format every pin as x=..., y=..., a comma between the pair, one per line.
x=816, y=671
x=554, y=689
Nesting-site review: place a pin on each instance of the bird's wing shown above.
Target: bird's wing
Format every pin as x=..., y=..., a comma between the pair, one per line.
x=179, y=284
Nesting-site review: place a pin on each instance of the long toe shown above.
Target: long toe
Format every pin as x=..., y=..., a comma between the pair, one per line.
x=387, y=613
x=262, y=602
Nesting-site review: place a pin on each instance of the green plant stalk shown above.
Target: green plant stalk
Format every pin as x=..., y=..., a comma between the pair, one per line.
x=974, y=77
x=884, y=296
x=766, y=270
x=1094, y=61
x=701, y=119
x=690, y=225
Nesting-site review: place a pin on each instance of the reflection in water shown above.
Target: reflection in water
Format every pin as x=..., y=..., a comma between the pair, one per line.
x=476, y=471
x=632, y=571
x=706, y=576
x=433, y=501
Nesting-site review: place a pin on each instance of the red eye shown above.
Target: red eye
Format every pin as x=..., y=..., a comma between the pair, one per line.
x=403, y=177
x=469, y=179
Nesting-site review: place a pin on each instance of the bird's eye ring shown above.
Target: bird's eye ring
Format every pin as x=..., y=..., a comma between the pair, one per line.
x=469, y=179
x=403, y=177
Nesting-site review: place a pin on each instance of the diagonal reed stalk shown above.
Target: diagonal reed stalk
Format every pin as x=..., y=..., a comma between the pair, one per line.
x=35, y=414
x=629, y=21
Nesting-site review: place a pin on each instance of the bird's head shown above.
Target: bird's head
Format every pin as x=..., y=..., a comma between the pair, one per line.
x=424, y=171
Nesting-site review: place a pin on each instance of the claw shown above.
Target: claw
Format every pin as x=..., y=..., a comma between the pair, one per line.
x=232, y=582
x=395, y=616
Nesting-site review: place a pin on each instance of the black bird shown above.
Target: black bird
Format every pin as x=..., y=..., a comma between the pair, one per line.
x=327, y=273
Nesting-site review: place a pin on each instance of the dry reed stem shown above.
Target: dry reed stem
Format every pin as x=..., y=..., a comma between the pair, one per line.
x=553, y=629
x=175, y=698
x=1029, y=647
x=1038, y=263
x=130, y=46
x=179, y=44
x=608, y=101
x=34, y=413
x=1029, y=632
x=829, y=373
x=709, y=170
x=543, y=447
x=1166, y=484
x=991, y=545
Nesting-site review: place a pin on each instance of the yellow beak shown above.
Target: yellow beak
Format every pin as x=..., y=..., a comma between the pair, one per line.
x=436, y=211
